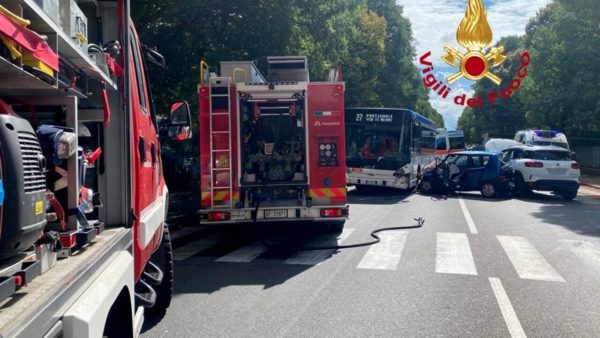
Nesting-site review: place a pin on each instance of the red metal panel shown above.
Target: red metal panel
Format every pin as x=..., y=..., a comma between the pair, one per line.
x=325, y=121
x=147, y=177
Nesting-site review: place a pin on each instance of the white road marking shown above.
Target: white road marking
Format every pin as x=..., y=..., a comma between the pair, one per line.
x=468, y=217
x=244, y=254
x=317, y=256
x=191, y=249
x=527, y=261
x=508, y=312
x=453, y=254
x=386, y=254
x=588, y=251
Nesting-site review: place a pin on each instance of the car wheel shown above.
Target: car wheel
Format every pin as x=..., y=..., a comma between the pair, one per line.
x=569, y=194
x=522, y=188
x=426, y=187
x=488, y=189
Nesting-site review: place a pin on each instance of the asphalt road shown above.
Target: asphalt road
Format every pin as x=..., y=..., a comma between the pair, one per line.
x=477, y=268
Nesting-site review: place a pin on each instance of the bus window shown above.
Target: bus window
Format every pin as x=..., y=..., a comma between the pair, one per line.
x=457, y=143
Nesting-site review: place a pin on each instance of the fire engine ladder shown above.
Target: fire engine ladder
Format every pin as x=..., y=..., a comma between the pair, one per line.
x=221, y=178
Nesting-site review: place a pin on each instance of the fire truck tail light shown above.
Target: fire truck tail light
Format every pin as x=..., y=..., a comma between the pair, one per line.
x=219, y=216
x=331, y=212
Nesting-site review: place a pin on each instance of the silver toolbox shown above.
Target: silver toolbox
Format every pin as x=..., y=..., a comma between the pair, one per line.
x=50, y=7
x=74, y=23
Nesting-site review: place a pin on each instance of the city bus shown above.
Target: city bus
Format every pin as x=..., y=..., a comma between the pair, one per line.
x=447, y=142
x=387, y=147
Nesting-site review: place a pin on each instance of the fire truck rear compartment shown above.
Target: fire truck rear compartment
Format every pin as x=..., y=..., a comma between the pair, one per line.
x=273, y=151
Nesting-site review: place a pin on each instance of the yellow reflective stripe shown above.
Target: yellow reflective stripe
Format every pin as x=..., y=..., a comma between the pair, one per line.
x=220, y=195
x=327, y=192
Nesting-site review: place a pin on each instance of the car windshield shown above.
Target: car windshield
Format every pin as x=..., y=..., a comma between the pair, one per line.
x=550, y=155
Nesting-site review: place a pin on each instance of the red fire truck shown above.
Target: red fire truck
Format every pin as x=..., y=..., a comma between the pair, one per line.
x=84, y=247
x=271, y=149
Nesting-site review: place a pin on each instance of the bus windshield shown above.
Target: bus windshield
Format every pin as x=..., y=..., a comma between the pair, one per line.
x=386, y=138
x=372, y=142
x=457, y=142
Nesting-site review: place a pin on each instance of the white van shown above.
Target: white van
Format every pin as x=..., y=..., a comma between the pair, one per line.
x=542, y=138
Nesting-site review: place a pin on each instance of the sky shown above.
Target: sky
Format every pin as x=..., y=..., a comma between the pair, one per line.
x=434, y=24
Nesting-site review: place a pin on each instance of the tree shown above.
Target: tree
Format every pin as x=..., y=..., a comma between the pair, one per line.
x=562, y=93
x=506, y=115
x=560, y=89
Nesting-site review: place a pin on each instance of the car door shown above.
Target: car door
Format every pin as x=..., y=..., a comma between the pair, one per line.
x=148, y=208
x=473, y=173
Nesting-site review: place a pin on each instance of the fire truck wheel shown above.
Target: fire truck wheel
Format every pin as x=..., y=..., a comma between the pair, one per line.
x=335, y=227
x=163, y=258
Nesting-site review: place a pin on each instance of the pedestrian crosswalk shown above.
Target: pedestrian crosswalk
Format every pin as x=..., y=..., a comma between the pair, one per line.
x=315, y=257
x=454, y=252
x=527, y=261
x=386, y=254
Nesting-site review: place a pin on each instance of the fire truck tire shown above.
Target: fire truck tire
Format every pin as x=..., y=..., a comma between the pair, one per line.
x=163, y=258
x=335, y=227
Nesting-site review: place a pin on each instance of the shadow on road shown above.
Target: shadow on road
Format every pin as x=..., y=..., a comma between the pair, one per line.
x=577, y=216
x=201, y=274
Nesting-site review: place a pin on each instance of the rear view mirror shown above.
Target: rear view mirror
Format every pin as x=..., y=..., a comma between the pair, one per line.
x=574, y=156
x=180, y=121
x=153, y=56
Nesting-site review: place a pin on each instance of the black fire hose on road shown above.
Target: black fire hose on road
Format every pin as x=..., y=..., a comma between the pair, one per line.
x=420, y=222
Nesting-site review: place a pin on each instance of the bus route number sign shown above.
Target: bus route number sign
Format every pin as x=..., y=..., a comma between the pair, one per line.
x=374, y=117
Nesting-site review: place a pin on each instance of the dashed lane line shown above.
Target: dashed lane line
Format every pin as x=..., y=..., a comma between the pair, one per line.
x=508, y=312
x=468, y=217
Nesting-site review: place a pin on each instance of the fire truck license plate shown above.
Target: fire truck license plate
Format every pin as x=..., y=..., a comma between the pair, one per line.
x=275, y=213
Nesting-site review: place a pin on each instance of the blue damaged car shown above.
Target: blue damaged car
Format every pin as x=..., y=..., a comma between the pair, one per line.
x=468, y=171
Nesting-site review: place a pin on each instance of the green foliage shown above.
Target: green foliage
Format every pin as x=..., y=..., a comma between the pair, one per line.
x=370, y=39
x=506, y=116
x=560, y=89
